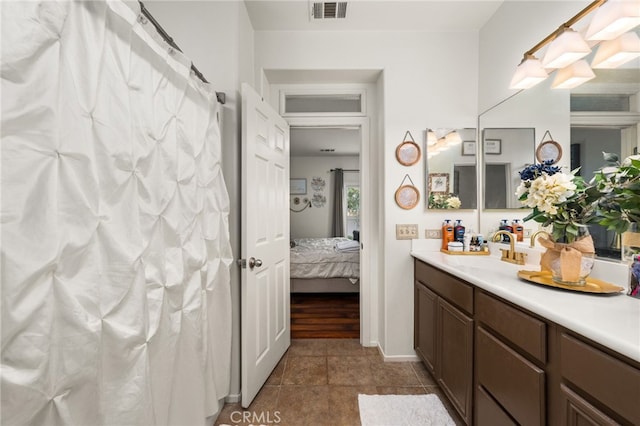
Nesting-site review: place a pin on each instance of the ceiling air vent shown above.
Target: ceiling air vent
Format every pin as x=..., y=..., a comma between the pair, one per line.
x=328, y=9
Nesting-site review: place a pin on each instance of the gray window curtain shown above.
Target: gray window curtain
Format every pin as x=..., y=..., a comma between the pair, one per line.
x=337, y=228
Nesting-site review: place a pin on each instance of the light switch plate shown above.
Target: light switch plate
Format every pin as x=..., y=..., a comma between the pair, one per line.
x=407, y=231
x=433, y=234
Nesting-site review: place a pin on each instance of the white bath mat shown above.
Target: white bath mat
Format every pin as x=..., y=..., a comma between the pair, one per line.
x=397, y=410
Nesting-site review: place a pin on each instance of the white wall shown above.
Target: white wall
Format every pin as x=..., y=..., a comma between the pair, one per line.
x=218, y=37
x=316, y=221
x=430, y=79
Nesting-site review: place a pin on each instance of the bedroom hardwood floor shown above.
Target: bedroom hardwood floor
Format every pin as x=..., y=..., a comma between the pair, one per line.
x=325, y=315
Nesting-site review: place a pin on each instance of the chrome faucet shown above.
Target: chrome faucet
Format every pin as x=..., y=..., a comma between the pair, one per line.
x=532, y=243
x=511, y=255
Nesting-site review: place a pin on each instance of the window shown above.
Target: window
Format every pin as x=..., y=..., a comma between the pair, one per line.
x=353, y=208
x=345, y=102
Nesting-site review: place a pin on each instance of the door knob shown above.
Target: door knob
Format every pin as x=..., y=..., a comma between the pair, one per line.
x=253, y=262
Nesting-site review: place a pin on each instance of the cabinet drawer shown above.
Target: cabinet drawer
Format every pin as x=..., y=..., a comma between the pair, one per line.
x=524, y=331
x=451, y=289
x=609, y=381
x=515, y=383
x=577, y=412
x=488, y=412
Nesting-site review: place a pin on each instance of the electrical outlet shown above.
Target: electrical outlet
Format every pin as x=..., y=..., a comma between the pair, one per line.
x=407, y=232
x=433, y=234
x=527, y=233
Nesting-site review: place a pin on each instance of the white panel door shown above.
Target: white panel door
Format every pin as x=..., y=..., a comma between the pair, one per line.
x=265, y=300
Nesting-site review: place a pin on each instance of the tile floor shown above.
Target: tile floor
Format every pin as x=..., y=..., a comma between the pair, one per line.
x=317, y=383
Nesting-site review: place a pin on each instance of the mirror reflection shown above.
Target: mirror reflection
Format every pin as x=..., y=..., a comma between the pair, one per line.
x=507, y=152
x=600, y=115
x=605, y=117
x=451, y=168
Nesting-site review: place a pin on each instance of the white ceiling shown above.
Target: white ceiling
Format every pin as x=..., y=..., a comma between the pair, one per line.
x=375, y=15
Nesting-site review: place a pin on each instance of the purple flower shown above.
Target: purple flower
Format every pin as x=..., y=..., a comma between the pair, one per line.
x=635, y=269
x=533, y=171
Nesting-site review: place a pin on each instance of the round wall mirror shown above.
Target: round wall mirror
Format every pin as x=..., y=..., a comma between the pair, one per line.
x=408, y=153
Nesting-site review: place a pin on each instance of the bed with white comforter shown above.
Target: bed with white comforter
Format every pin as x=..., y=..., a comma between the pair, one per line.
x=325, y=265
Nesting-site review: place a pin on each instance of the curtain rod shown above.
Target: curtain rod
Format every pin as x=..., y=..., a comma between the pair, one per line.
x=220, y=96
x=346, y=170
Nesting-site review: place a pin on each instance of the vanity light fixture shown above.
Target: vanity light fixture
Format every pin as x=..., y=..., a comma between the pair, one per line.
x=573, y=75
x=432, y=139
x=613, y=53
x=529, y=73
x=567, y=47
x=441, y=145
x=612, y=19
x=452, y=138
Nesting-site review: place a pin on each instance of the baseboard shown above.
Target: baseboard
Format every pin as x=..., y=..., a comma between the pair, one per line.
x=232, y=399
x=397, y=358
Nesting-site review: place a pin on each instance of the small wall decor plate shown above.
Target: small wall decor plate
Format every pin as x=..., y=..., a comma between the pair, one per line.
x=408, y=152
x=407, y=196
x=591, y=286
x=548, y=150
x=317, y=183
x=318, y=200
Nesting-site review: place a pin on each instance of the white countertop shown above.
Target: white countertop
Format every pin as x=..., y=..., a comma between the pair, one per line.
x=613, y=320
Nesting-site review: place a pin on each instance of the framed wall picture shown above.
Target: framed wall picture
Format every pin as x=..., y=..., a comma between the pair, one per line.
x=438, y=183
x=297, y=186
x=468, y=147
x=493, y=146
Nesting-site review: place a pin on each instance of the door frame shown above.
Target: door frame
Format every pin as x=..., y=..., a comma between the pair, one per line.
x=366, y=207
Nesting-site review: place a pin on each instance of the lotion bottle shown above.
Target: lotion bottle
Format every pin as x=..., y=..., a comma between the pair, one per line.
x=458, y=231
x=447, y=234
x=518, y=229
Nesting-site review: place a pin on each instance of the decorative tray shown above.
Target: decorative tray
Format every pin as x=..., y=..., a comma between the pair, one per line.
x=476, y=253
x=592, y=285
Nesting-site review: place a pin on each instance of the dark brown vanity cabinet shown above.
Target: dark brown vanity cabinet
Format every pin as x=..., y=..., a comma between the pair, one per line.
x=596, y=387
x=425, y=308
x=444, y=333
x=500, y=364
x=510, y=355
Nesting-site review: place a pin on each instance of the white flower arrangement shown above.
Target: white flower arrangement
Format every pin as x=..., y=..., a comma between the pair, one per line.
x=561, y=200
x=444, y=201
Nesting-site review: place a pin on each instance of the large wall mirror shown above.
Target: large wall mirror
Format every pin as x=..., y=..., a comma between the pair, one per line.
x=451, y=169
x=600, y=115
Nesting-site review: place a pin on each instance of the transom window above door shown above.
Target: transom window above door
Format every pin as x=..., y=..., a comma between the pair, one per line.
x=314, y=103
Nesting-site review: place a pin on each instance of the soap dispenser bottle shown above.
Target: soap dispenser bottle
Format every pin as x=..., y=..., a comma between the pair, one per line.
x=458, y=231
x=447, y=234
x=518, y=229
x=504, y=226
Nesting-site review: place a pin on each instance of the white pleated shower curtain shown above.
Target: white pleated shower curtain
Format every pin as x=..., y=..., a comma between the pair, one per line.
x=116, y=306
